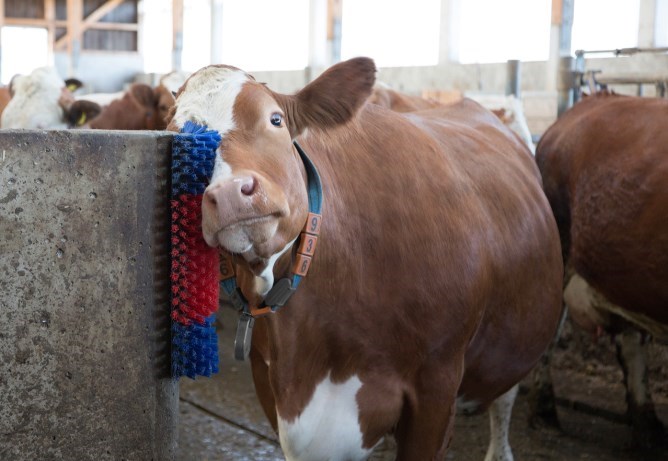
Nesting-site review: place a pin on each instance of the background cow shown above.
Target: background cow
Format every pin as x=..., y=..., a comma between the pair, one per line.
x=605, y=171
x=141, y=107
x=385, y=96
x=5, y=96
x=506, y=107
x=35, y=101
x=438, y=269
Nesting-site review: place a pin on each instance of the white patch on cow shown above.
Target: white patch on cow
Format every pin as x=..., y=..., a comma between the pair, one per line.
x=513, y=107
x=35, y=102
x=221, y=169
x=500, y=413
x=328, y=428
x=589, y=307
x=265, y=281
x=633, y=351
x=209, y=98
x=174, y=80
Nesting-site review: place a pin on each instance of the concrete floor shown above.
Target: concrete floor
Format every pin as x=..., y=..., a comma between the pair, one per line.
x=220, y=419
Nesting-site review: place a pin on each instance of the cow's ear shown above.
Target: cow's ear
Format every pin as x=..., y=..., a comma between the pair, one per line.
x=73, y=84
x=143, y=94
x=82, y=112
x=331, y=99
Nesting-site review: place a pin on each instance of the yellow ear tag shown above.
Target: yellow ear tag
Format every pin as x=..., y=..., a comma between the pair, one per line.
x=82, y=119
x=72, y=87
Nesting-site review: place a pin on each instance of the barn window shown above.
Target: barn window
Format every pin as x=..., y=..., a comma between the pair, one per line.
x=262, y=35
x=196, y=34
x=156, y=35
x=393, y=33
x=605, y=25
x=33, y=51
x=496, y=31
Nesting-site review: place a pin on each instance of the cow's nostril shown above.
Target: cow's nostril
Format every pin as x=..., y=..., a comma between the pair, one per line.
x=248, y=186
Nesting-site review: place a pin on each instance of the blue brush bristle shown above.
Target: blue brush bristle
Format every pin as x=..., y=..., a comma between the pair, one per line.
x=194, y=349
x=193, y=157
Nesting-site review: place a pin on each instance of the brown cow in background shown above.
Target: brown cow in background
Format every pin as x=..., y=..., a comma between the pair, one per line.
x=140, y=108
x=605, y=172
x=4, y=98
x=384, y=96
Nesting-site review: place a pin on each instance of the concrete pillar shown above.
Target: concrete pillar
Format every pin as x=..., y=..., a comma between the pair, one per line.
x=560, y=39
x=334, y=12
x=566, y=84
x=513, y=77
x=318, y=58
x=216, y=31
x=449, y=36
x=177, y=34
x=646, y=23
x=84, y=296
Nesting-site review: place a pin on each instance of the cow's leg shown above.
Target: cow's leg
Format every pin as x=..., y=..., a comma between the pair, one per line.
x=500, y=413
x=542, y=406
x=647, y=429
x=425, y=428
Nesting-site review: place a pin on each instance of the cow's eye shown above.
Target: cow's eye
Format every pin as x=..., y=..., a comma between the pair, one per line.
x=276, y=119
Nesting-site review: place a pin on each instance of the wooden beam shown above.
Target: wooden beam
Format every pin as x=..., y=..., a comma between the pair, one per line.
x=123, y=26
x=87, y=23
x=557, y=10
x=34, y=22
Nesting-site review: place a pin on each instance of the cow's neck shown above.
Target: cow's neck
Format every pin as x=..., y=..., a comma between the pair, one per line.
x=259, y=294
x=256, y=280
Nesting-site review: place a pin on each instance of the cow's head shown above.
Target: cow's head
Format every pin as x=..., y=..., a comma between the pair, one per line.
x=35, y=101
x=164, y=100
x=256, y=203
x=80, y=112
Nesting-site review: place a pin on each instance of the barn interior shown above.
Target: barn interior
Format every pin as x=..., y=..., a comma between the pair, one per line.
x=545, y=54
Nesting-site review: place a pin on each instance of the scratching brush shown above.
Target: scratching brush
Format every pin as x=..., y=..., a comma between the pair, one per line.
x=194, y=265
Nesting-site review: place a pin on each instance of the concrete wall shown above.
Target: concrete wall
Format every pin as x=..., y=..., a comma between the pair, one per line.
x=84, y=296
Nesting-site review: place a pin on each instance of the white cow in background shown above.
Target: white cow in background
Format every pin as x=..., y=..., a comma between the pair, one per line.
x=35, y=101
x=509, y=109
x=173, y=80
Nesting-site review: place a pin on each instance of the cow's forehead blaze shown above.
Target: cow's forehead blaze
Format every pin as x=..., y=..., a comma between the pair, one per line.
x=209, y=96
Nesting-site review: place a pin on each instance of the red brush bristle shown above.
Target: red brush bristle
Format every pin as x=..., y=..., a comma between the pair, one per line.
x=194, y=264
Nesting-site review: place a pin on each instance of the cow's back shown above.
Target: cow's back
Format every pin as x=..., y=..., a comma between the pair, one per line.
x=605, y=169
x=432, y=220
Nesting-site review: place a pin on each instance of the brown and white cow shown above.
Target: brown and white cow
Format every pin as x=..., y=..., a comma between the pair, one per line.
x=437, y=275
x=605, y=172
x=141, y=107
